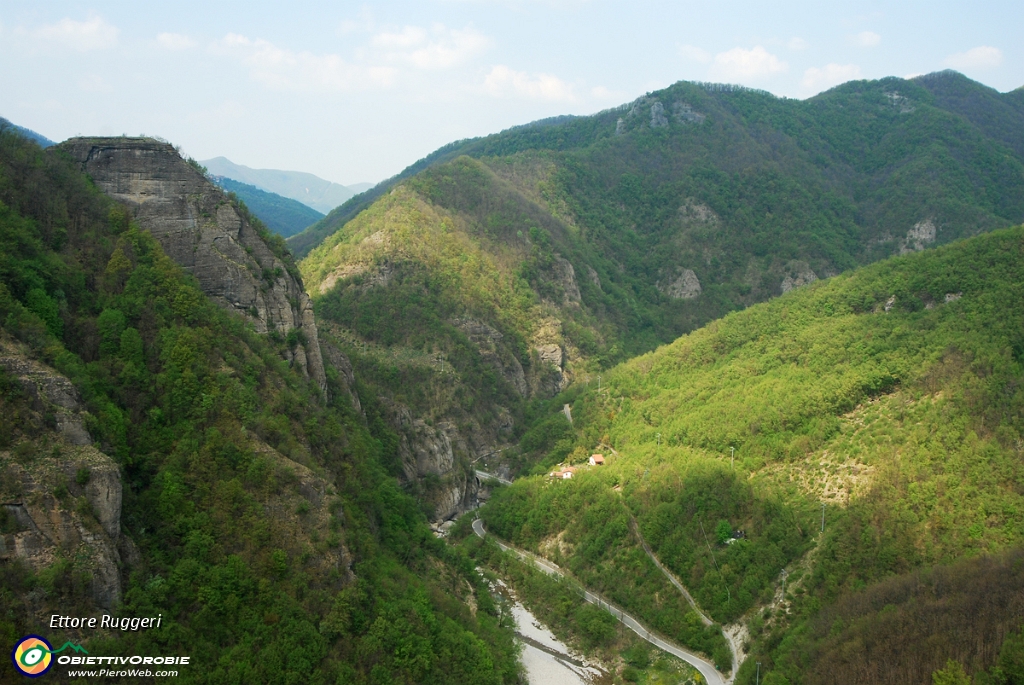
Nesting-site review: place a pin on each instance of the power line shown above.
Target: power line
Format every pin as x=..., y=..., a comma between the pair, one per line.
x=715, y=561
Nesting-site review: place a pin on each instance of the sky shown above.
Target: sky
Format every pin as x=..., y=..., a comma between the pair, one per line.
x=355, y=92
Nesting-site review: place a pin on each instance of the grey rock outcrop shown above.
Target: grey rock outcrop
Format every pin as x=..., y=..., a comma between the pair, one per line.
x=658, y=118
x=919, y=237
x=551, y=354
x=429, y=459
x=552, y=379
x=200, y=229
x=693, y=214
x=899, y=102
x=337, y=359
x=683, y=112
x=636, y=107
x=63, y=501
x=562, y=276
x=302, y=509
x=565, y=275
x=494, y=352
x=685, y=286
x=47, y=387
x=797, y=274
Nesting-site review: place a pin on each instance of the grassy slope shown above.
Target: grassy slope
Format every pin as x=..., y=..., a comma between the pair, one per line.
x=219, y=443
x=871, y=392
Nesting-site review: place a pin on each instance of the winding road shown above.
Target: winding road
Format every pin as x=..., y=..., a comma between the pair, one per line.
x=706, y=668
x=730, y=635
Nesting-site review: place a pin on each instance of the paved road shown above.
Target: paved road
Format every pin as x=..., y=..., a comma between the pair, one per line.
x=733, y=647
x=483, y=475
x=706, y=668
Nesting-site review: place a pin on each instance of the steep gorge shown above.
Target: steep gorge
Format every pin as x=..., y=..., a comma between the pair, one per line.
x=248, y=272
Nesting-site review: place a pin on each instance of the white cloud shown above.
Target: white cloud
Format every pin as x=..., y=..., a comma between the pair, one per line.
x=438, y=48
x=796, y=43
x=866, y=39
x=93, y=34
x=692, y=52
x=818, y=79
x=282, y=69
x=175, y=41
x=408, y=37
x=504, y=82
x=976, y=58
x=602, y=93
x=740, y=65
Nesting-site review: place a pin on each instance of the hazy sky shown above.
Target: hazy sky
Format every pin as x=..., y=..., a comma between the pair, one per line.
x=355, y=92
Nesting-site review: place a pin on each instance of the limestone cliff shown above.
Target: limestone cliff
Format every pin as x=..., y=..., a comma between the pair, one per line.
x=203, y=231
x=60, y=497
x=494, y=353
x=434, y=458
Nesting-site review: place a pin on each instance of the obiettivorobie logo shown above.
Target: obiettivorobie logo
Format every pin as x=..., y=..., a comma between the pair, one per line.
x=33, y=655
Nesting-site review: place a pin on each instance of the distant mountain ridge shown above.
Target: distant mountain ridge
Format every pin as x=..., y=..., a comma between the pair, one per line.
x=42, y=140
x=310, y=190
x=282, y=215
x=540, y=256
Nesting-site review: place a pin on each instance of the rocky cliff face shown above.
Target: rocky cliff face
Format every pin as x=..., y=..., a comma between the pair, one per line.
x=919, y=237
x=431, y=458
x=684, y=286
x=201, y=230
x=798, y=273
x=59, y=496
x=494, y=352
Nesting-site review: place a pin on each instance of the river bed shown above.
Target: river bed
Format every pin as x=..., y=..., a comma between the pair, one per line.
x=547, y=660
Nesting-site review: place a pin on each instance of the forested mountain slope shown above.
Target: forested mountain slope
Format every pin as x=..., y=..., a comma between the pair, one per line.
x=158, y=455
x=282, y=215
x=540, y=255
x=884, y=405
x=42, y=140
x=872, y=143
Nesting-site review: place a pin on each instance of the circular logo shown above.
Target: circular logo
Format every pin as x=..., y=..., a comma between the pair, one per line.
x=32, y=656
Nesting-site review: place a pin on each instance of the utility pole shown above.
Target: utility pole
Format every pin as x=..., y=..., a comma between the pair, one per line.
x=758, y=673
x=599, y=384
x=659, y=439
x=822, y=517
x=732, y=458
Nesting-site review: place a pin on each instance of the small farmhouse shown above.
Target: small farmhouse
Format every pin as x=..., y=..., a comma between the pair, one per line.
x=564, y=474
x=597, y=460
